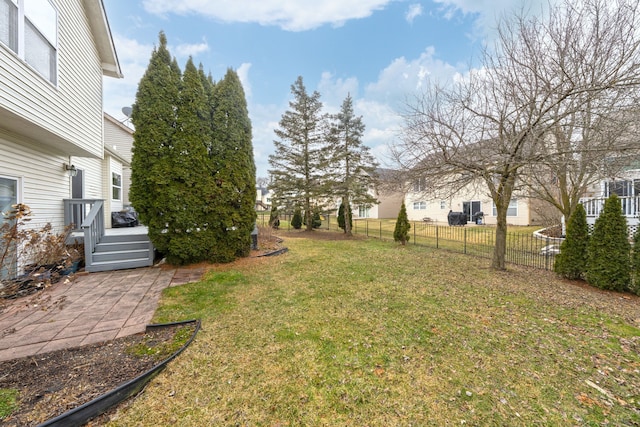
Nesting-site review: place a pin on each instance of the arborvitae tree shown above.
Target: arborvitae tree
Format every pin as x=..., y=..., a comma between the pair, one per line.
x=297, y=166
x=296, y=221
x=635, y=264
x=608, y=264
x=236, y=174
x=571, y=262
x=401, y=232
x=152, y=191
x=351, y=164
x=342, y=216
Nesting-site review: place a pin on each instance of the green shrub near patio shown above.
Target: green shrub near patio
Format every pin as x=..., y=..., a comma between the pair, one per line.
x=571, y=262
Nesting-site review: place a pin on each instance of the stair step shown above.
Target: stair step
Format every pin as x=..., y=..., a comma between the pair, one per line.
x=119, y=265
x=122, y=246
x=120, y=255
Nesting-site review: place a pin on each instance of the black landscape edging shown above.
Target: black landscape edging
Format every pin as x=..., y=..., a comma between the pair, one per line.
x=277, y=252
x=82, y=414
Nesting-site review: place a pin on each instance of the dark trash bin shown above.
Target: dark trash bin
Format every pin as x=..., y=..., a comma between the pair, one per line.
x=457, y=218
x=124, y=218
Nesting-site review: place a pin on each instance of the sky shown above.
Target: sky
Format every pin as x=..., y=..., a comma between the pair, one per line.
x=380, y=52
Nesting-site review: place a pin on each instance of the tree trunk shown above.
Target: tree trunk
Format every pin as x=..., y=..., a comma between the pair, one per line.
x=308, y=215
x=347, y=215
x=500, y=249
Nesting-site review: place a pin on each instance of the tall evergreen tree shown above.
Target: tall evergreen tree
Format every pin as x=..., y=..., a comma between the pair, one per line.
x=635, y=263
x=608, y=264
x=401, y=231
x=571, y=262
x=297, y=166
x=236, y=174
x=296, y=220
x=352, y=165
x=152, y=167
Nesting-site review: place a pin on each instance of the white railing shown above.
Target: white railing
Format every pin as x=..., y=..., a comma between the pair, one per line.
x=630, y=206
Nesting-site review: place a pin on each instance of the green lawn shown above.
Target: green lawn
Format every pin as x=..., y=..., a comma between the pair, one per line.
x=369, y=333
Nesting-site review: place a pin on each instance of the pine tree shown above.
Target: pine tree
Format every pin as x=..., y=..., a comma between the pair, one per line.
x=571, y=262
x=352, y=165
x=401, y=232
x=152, y=192
x=608, y=264
x=236, y=174
x=296, y=221
x=297, y=166
x=635, y=263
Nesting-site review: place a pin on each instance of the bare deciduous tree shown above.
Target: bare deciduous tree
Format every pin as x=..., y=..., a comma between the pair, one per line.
x=545, y=98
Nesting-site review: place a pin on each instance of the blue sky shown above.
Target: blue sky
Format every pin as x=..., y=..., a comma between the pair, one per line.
x=382, y=52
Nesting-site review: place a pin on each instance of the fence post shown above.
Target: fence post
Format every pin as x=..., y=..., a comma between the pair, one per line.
x=437, y=237
x=414, y=232
x=546, y=255
x=380, y=223
x=366, y=227
x=465, y=240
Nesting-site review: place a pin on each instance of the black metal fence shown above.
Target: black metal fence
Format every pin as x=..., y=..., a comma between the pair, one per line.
x=524, y=249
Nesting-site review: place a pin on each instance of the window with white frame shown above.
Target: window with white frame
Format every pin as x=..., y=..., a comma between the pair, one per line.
x=419, y=185
x=116, y=186
x=512, y=210
x=30, y=29
x=419, y=206
x=443, y=204
x=363, y=212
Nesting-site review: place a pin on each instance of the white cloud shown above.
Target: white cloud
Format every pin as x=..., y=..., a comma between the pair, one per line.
x=334, y=90
x=134, y=59
x=414, y=11
x=184, y=50
x=291, y=15
x=243, y=75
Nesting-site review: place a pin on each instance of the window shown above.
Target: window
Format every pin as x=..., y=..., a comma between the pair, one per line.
x=8, y=196
x=621, y=188
x=419, y=185
x=419, y=206
x=443, y=204
x=512, y=210
x=116, y=186
x=29, y=29
x=363, y=212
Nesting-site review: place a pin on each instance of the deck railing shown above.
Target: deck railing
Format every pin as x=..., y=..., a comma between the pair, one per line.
x=593, y=206
x=76, y=210
x=93, y=228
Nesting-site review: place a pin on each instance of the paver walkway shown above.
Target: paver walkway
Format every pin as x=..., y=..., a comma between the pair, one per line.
x=93, y=308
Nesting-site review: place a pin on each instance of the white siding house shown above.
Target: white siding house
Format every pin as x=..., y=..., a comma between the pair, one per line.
x=51, y=104
x=420, y=206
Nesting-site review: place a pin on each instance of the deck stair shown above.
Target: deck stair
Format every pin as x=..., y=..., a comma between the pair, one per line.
x=121, y=251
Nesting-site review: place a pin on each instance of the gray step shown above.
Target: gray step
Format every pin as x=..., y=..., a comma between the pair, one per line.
x=124, y=238
x=122, y=246
x=120, y=255
x=119, y=265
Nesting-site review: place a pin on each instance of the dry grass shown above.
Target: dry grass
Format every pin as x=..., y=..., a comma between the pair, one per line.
x=355, y=332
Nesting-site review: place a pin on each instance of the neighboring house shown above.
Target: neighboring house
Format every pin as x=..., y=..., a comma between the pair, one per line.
x=52, y=154
x=626, y=186
x=388, y=195
x=263, y=199
x=118, y=147
x=421, y=207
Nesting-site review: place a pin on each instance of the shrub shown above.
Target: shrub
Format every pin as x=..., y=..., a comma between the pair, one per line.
x=296, y=221
x=401, y=232
x=571, y=262
x=608, y=263
x=635, y=264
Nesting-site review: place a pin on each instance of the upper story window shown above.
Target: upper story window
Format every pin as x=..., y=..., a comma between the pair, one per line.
x=419, y=206
x=419, y=184
x=29, y=28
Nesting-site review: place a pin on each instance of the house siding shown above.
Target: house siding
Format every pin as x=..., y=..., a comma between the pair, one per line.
x=73, y=113
x=43, y=185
